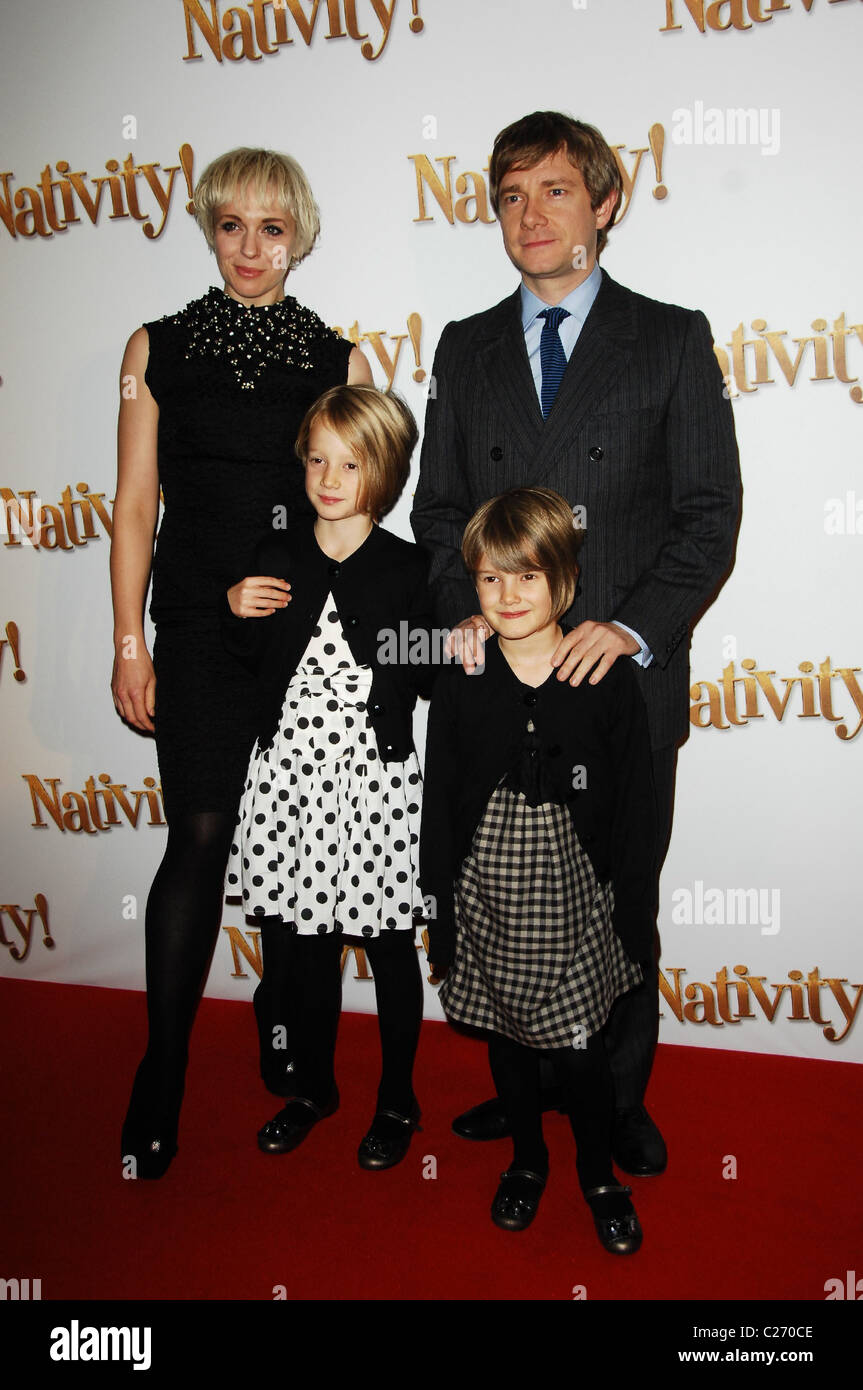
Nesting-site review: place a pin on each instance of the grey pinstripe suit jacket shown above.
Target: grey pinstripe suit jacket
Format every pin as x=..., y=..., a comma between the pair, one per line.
x=640, y=435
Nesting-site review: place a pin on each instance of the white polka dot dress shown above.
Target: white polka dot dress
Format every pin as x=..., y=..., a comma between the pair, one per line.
x=327, y=833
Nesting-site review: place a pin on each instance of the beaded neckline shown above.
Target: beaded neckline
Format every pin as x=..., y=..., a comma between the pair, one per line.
x=280, y=334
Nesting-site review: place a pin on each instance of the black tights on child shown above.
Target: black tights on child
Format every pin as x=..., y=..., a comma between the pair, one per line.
x=314, y=1001
x=182, y=924
x=584, y=1077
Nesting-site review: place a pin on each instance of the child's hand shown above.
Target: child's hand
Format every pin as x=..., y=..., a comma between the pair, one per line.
x=438, y=973
x=466, y=642
x=258, y=596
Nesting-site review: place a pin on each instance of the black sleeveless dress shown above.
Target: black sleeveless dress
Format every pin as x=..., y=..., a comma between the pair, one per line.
x=232, y=385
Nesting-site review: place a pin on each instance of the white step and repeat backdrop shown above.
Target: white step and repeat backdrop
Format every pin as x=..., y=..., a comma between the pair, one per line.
x=736, y=125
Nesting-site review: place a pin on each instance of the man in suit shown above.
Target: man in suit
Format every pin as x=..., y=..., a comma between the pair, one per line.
x=616, y=401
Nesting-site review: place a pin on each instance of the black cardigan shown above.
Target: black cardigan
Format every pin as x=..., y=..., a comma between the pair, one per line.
x=475, y=733
x=381, y=585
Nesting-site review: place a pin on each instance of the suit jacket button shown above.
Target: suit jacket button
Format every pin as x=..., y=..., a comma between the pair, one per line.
x=594, y=453
x=389, y=748
x=352, y=622
x=334, y=570
x=497, y=453
x=530, y=700
x=376, y=711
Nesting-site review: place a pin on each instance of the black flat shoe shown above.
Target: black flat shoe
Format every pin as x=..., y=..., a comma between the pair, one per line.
x=620, y=1234
x=389, y=1138
x=294, y=1123
x=151, y=1157
x=637, y=1145
x=516, y=1201
x=148, y=1142
x=490, y=1121
x=486, y=1121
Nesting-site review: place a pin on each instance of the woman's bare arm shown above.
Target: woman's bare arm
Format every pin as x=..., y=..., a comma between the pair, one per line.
x=136, y=511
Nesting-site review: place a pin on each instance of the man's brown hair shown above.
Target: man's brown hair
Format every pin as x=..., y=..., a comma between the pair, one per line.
x=528, y=141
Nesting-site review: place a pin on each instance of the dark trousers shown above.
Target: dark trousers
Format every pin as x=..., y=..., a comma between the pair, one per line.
x=633, y=1025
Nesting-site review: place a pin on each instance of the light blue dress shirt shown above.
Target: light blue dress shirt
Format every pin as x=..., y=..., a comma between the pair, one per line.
x=578, y=304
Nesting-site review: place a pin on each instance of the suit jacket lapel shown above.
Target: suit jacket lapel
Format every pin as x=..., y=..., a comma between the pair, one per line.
x=601, y=354
x=502, y=357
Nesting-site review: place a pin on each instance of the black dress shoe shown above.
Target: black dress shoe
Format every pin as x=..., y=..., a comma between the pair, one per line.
x=294, y=1123
x=621, y=1235
x=389, y=1138
x=486, y=1121
x=637, y=1145
x=490, y=1121
x=516, y=1201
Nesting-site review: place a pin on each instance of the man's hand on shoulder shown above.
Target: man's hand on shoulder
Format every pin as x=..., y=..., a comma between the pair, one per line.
x=591, y=645
x=466, y=642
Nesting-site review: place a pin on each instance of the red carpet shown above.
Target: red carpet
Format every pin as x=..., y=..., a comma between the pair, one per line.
x=228, y=1222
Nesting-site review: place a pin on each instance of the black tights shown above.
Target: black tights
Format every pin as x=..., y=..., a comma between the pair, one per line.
x=182, y=924
x=314, y=1000
x=587, y=1095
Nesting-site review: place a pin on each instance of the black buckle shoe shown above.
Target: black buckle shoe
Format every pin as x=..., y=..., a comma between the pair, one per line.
x=389, y=1138
x=515, y=1204
x=621, y=1235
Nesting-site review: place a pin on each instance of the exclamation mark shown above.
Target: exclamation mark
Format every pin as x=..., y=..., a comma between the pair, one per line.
x=42, y=908
x=415, y=328
x=186, y=157
x=12, y=638
x=416, y=22
x=656, y=136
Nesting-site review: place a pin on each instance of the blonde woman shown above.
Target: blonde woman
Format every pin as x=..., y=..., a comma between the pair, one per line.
x=220, y=390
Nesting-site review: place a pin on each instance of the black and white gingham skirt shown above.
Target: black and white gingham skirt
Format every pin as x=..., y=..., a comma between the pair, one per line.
x=536, y=957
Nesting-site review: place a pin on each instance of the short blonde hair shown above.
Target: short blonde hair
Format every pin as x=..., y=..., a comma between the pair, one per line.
x=378, y=428
x=269, y=175
x=527, y=528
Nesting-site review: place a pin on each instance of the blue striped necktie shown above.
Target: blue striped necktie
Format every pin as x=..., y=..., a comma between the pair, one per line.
x=552, y=358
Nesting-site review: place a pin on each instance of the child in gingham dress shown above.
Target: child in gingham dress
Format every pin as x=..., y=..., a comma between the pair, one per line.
x=326, y=850
x=537, y=849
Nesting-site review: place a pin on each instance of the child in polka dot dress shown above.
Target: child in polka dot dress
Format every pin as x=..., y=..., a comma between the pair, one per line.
x=326, y=848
